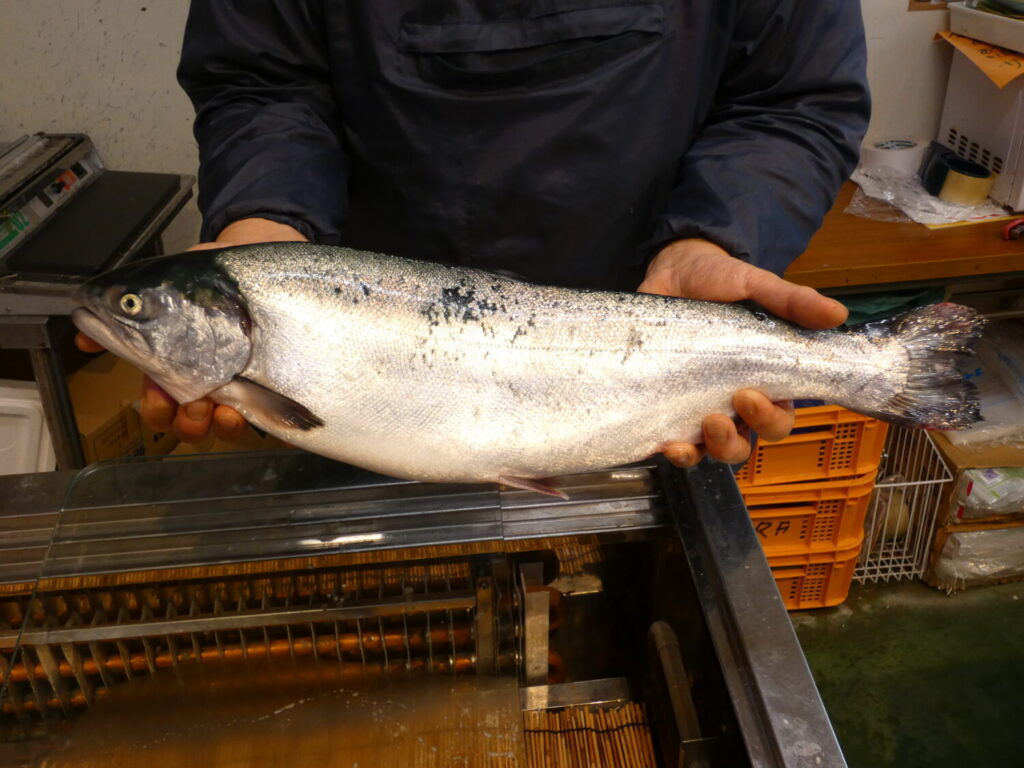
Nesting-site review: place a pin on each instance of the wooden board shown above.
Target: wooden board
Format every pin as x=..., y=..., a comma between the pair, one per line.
x=851, y=251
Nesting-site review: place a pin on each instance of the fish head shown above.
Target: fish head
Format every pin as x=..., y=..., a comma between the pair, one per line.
x=180, y=319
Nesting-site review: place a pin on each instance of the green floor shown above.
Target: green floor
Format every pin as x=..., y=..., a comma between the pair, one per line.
x=912, y=677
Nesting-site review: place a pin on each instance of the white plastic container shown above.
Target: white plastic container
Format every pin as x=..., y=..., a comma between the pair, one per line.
x=24, y=439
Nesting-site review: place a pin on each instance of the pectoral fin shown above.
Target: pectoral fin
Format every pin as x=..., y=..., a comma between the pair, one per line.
x=533, y=485
x=271, y=408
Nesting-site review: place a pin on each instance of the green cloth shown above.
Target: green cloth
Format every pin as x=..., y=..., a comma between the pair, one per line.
x=865, y=307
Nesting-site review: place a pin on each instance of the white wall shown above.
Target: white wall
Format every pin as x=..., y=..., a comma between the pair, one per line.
x=906, y=69
x=105, y=68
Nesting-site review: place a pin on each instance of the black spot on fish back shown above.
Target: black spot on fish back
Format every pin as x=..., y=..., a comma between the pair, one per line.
x=460, y=303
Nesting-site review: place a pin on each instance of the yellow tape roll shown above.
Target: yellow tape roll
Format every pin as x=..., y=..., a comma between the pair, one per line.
x=966, y=189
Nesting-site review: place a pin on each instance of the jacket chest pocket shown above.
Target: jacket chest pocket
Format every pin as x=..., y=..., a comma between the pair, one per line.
x=533, y=44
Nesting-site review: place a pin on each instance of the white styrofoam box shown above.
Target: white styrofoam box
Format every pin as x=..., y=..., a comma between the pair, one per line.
x=985, y=123
x=24, y=439
x=1003, y=31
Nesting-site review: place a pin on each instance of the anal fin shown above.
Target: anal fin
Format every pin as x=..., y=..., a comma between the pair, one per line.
x=532, y=485
x=271, y=408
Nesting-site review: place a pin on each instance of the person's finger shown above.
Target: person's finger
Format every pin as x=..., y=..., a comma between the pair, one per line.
x=771, y=421
x=206, y=246
x=699, y=270
x=192, y=423
x=700, y=274
x=228, y=424
x=85, y=344
x=156, y=407
x=683, y=454
x=661, y=282
x=797, y=303
x=723, y=441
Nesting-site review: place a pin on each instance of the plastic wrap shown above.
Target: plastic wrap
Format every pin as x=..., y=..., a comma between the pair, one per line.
x=1002, y=352
x=971, y=558
x=1002, y=412
x=991, y=491
x=881, y=188
x=867, y=207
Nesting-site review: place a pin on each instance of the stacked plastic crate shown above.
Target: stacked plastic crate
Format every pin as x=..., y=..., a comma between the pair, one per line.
x=808, y=496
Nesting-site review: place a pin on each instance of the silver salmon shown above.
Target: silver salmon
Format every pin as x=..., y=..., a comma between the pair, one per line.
x=438, y=373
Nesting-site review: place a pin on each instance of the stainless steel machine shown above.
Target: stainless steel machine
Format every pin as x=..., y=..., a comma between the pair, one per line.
x=635, y=624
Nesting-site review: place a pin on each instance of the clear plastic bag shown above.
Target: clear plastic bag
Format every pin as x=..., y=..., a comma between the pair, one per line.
x=1002, y=412
x=889, y=195
x=867, y=207
x=980, y=557
x=991, y=491
x=1003, y=353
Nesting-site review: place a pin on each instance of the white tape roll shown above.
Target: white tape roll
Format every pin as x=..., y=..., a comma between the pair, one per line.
x=902, y=155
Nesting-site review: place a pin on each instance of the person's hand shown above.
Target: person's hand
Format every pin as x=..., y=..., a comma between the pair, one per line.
x=698, y=269
x=191, y=422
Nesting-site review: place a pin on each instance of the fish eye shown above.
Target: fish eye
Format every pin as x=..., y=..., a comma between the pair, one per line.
x=131, y=304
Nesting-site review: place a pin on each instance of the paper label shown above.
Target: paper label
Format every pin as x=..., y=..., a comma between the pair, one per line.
x=999, y=65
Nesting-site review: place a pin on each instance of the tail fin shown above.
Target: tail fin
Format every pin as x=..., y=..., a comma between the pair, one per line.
x=937, y=339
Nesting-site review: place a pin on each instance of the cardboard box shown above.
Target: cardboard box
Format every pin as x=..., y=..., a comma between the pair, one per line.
x=961, y=457
x=103, y=394
x=942, y=534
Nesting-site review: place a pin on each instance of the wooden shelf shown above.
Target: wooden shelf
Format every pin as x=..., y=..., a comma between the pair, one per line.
x=850, y=251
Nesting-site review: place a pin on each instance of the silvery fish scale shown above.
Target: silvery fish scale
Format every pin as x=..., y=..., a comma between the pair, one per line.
x=442, y=373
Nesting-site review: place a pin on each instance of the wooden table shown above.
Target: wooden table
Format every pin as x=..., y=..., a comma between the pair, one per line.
x=850, y=251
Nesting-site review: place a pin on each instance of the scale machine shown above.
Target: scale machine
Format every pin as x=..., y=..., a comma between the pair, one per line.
x=64, y=217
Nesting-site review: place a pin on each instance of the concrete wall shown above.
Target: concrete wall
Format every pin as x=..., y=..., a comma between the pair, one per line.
x=106, y=68
x=907, y=71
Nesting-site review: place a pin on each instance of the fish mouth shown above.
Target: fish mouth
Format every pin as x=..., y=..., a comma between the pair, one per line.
x=117, y=337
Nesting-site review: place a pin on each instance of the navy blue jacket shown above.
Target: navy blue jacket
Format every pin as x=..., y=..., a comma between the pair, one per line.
x=562, y=140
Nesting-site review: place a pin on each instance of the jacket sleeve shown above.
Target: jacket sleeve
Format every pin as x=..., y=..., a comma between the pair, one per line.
x=266, y=121
x=781, y=136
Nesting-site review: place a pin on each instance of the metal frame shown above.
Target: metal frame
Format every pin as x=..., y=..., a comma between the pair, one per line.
x=780, y=713
x=901, y=519
x=351, y=510
x=601, y=692
x=257, y=618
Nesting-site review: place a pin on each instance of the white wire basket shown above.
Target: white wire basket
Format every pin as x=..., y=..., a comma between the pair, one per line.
x=904, y=507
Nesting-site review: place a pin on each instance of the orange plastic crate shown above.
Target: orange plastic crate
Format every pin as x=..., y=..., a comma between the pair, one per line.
x=821, y=516
x=831, y=442
x=814, y=580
